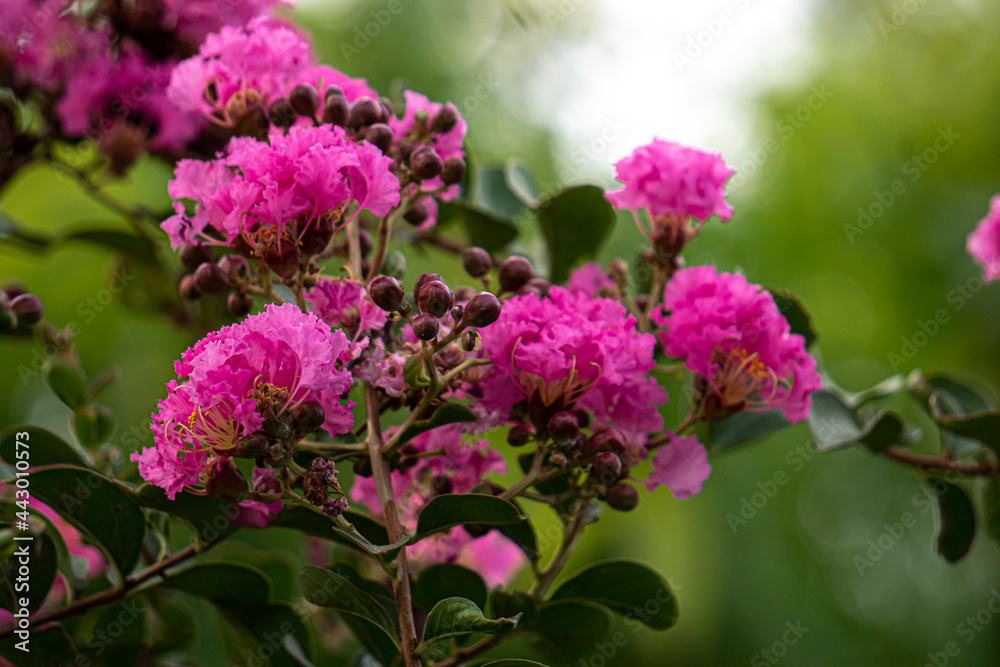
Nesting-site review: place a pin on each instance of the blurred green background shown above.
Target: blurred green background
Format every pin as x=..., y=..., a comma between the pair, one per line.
x=897, y=75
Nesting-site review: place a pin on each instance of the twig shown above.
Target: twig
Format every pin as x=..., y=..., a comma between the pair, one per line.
x=925, y=462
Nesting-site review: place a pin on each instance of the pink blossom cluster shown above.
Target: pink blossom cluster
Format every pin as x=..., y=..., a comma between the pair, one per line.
x=461, y=465
x=571, y=350
x=984, y=243
x=667, y=178
x=267, y=364
x=730, y=332
x=266, y=196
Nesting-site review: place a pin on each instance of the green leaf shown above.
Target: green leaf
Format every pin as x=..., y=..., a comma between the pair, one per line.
x=450, y=509
x=371, y=636
x=8, y=515
x=954, y=396
x=447, y=580
x=888, y=387
x=124, y=242
x=96, y=506
x=796, y=314
x=43, y=447
x=575, y=223
x=12, y=231
x=491, y=194
x=627, y=587
x=568, y=629
x=206, y=516
x=329, y=589
x=957, y=521
x=274, y=626
x=99, y=382
x=513, y=603
x=520, y=181
x=744, y=427
x=886, y=428
x=317, y=525
x=67, y=382
x=449, y=413
x=484, y=229
x=522, y=534
x=455, y=617
x=222, y=583
x=981, y=426
x=44, y=559
x=414, y=372
x=991, y=507
x=122, y=629
x=50, y=645
x=93, y=424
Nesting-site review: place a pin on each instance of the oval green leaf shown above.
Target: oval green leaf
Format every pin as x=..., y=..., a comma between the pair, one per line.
x=626, y=587
x=42, y=447
x=957, y=521
x=451, y=509
x=329, y=589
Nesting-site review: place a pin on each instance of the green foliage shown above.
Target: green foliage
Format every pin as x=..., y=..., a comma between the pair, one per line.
x=447, y=580
x=626, y=587
x=575, y=223
x=449, y=510
x=46, y=448
x=454, y=618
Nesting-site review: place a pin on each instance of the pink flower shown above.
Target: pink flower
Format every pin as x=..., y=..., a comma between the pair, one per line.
x=682, y=466
x=233, y=379
x=345, y=304
x=731, y=333
x=590, y=279
x=193, y=20
x=984, y=243
x=459, y=469
x=667, y=178
x=572, y=350
x=45, y=45
x=279, y=192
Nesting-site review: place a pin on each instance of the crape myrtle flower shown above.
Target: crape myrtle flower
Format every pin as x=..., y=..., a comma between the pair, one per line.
x=984, y=243
x=461, y=466
x=681, y=465
x=732, y=335
x=239, y=381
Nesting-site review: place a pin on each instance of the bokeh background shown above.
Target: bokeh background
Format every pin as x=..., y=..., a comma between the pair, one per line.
x=822, y=107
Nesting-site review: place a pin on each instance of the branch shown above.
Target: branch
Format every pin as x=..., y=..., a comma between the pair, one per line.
x=571, y=537
x=925, y=462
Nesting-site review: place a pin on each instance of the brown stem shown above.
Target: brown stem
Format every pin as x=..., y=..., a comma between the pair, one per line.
x=472, y=651
x=571, y=537
x=529, y=478
x=925, y=462
x=112, y=594
x=383, y=486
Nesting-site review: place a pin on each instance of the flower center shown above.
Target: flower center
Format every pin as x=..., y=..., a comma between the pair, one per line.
x=742, y=381
x=269, y=397
x=211, y=428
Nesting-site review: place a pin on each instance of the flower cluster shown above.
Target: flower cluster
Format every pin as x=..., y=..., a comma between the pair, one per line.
x=984, y=243
x=732, y=335
x=246, y=391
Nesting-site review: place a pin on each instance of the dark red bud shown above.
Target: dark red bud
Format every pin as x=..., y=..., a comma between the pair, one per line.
x=435, y=298
x=304, y=100
x=336, y=109
x=623, y=497
x=418, y=212
x=482, y=310
x=519, y=435
x=193, y=256
x=453, y=170
x=281, y=113
x=425, y=326
x=364, y=112
x=515, y=272
x=380, y=136
x=445, y=119
x=386, y=293
x=239, y=305
x=28, y=308
x=209, y=279
x=564, y=428
x=426, y=163
x=476, y=262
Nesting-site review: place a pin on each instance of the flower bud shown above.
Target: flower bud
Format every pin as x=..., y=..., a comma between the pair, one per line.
x=279, y=427
x=13, y=290
x=309, y=416
x=188, y=289
x=445, y=120
x=225, y=483
x=8, y=320
x=564, y=428
x=281, y=113
x=607, y=468
x=209, y=279
x=435, y=298
x=623, y=497
x=317, y=235
x=380, y=136
x=251, y=446
x=386, y=293
x=482, y=310
x=304, y=100
x=336, y=109
x=423, y=280
x=476, y=262
x=387, y=109
x=235, y=268
x=440, y=485
x=519, y=435
x=395, y=264
x=457, y=313
x=27, y=308
x=418, y=212
x=515, y=272
x=583, y=416
x=364, y=112
x=239, y=305
x=425, y=326
x=425, y=162
x=558, y=459
x=453, y=170
x=471, y=341
x=193, y=256
x=540, y=285
x=608, y=440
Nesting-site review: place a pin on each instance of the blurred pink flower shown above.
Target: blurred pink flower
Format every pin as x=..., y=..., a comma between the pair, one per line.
x=984, y=243
x=682, y=466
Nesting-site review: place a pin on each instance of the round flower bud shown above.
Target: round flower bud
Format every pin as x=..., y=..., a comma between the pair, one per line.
x=423, y=280
x=188, y=289
x=13, y=290
x=435, y=298
x=476, y=261
x=465, y=293
x=309, y=416
x=209, y=279
x=541, y=285
x=425, y=162
x=471, y=341
x=395, y=264
x=386, y=293
x=564, y=428
x=279, y=427
x=8, y=320
x=281, y=113
x=225, y=483
x=445, y=120
x=239, y=305
x=482, y=310
x=515, y=272
x=607, y=468
x=387, y=109
x=380, y=136
x=457, y=313
x=608, y=440
x=364, y=112
x=425, y=326
x=519, y=435
x=583, y=416
x=453, y=170
x=27, y=308
x=558, y=459
x=336, y=109
x=251, y=446
x=305, y=100
x=417, y=213
x=235, y=267
x=623, y=497
x=193, y=256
